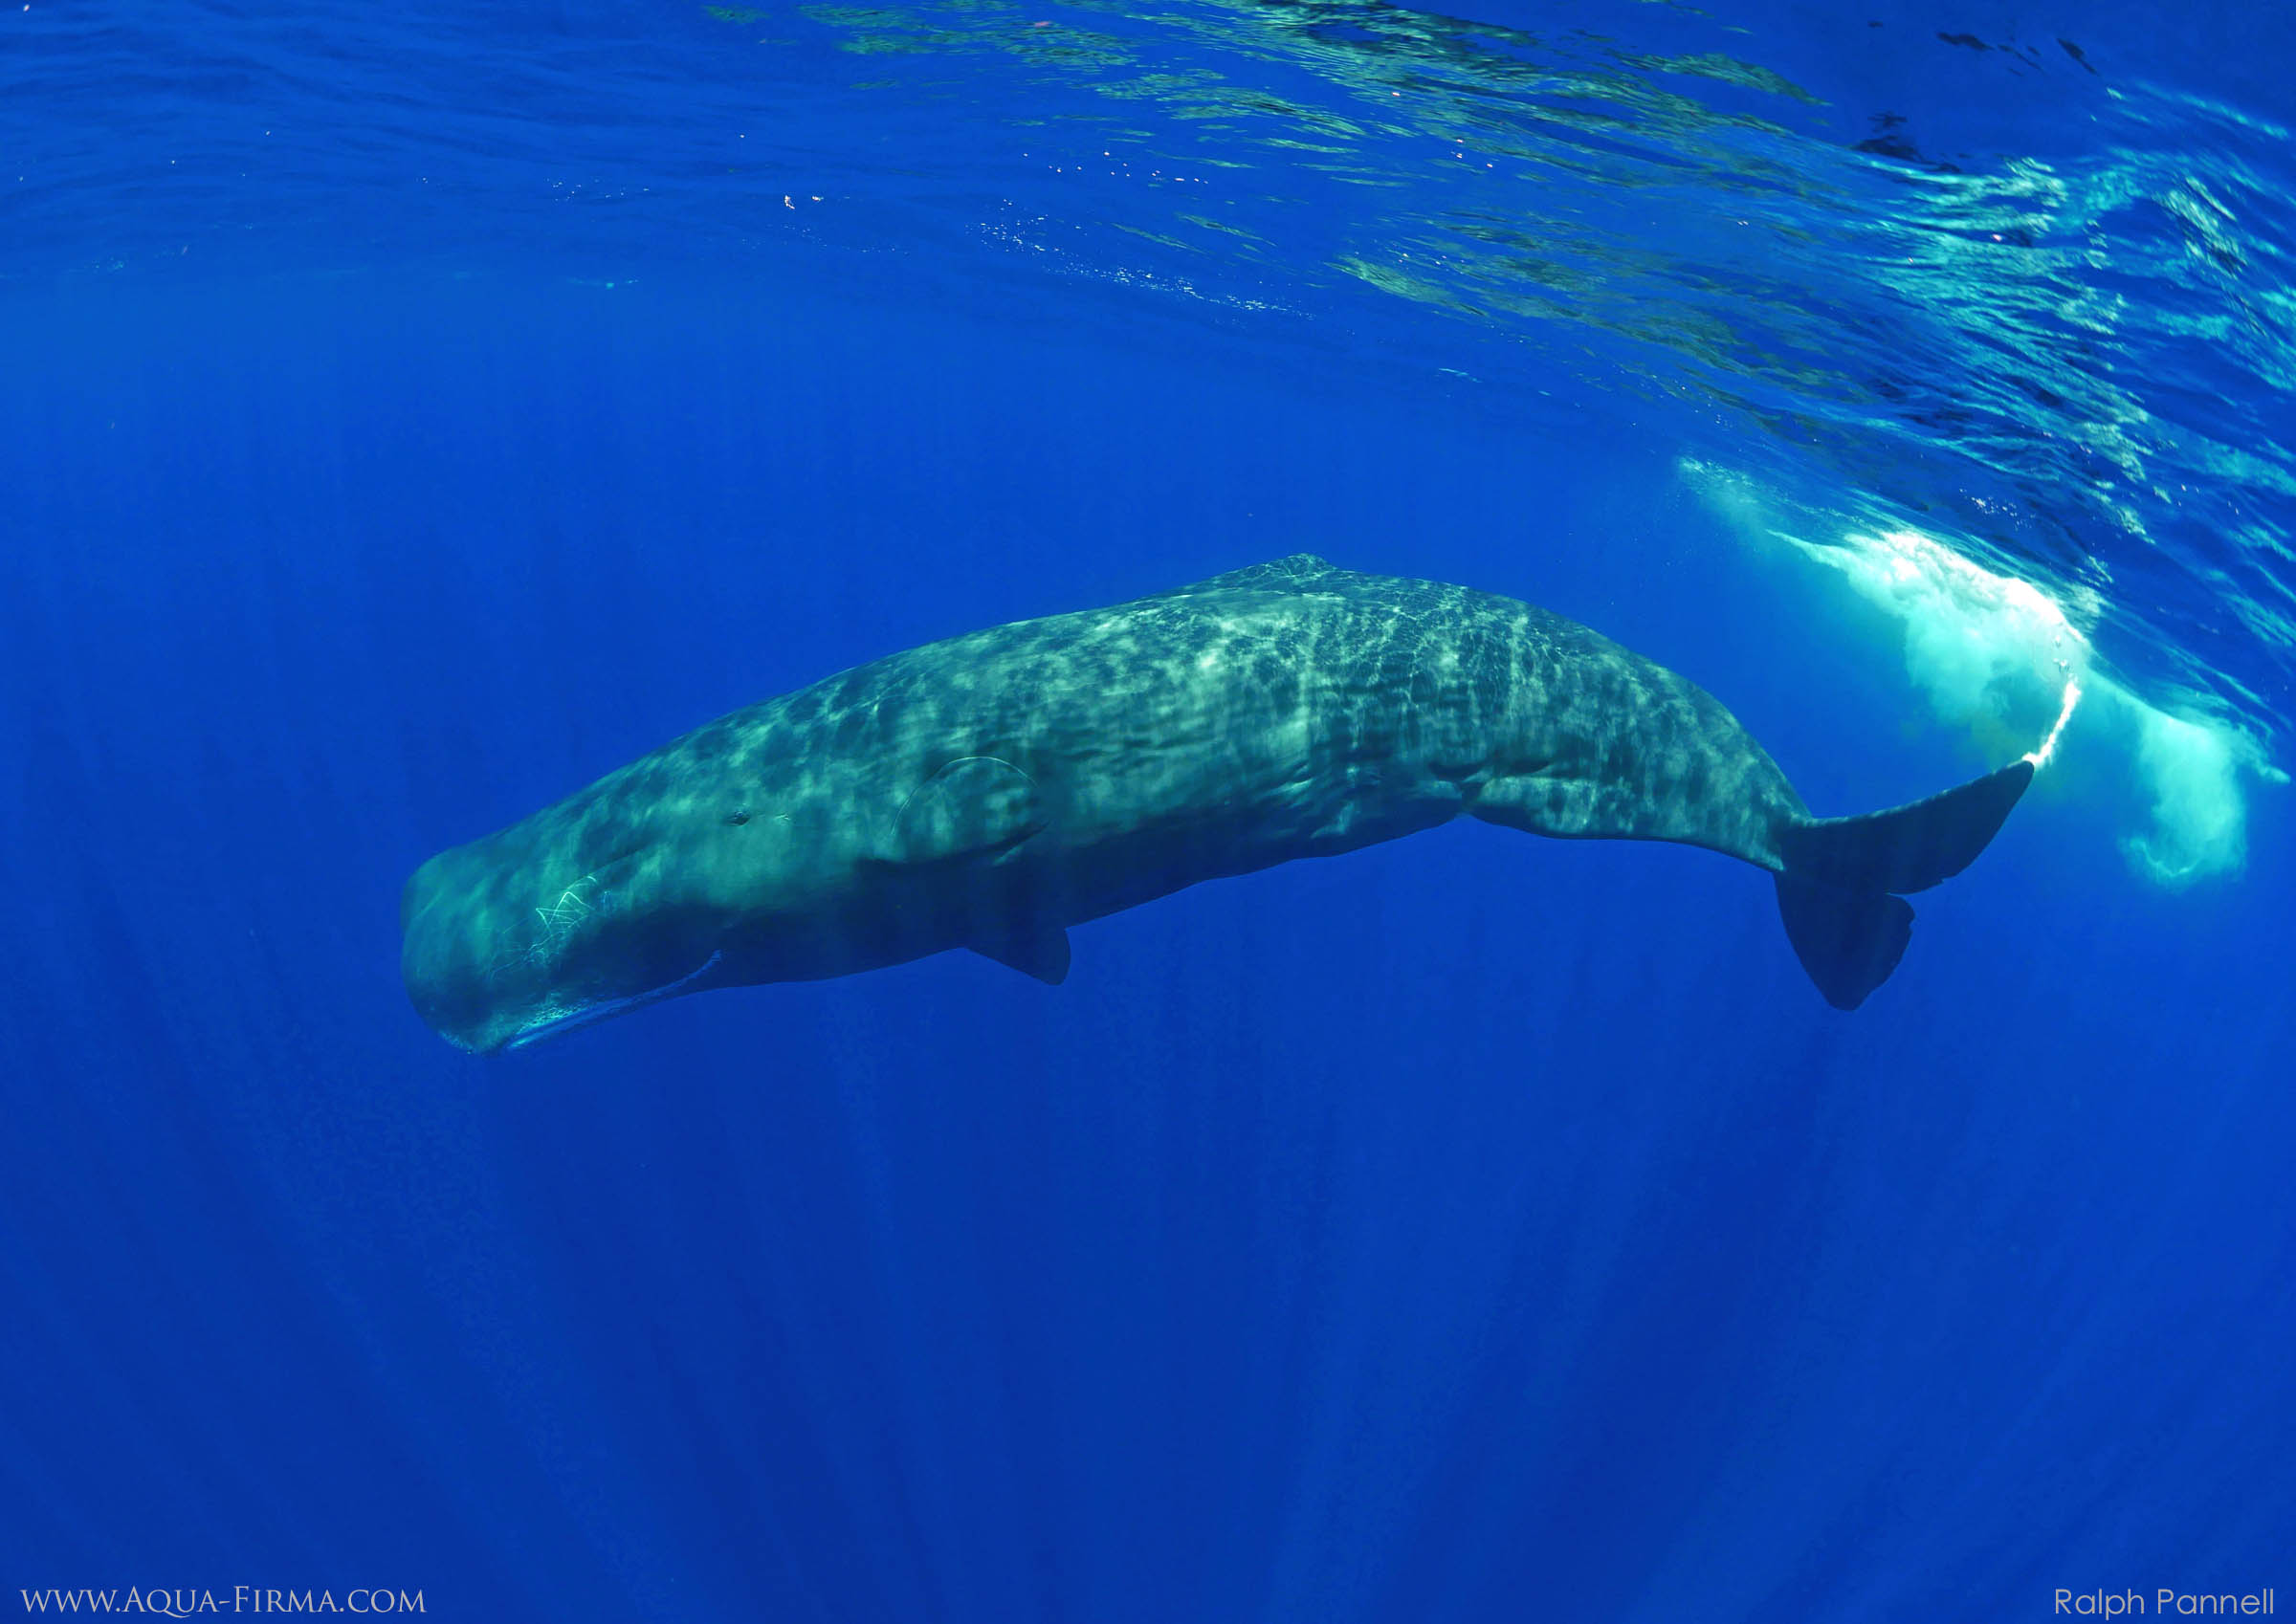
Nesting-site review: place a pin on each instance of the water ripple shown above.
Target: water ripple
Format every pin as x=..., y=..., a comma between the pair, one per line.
x=2048, y=316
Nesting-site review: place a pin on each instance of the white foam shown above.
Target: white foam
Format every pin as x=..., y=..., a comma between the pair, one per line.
x=2200, y=813
x=2040, y=756
x=1998, y=656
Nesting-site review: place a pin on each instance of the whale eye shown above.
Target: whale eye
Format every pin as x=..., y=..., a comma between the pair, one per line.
x=738, y=818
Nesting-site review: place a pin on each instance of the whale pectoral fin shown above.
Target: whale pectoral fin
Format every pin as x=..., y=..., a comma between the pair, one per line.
x=1043, y=953
x=976, y=808
x=960, y=824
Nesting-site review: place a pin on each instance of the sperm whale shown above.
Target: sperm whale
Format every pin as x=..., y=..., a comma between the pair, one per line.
x=989, y=791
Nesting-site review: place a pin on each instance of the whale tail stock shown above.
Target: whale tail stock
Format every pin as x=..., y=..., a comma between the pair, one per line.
x=1839, y=891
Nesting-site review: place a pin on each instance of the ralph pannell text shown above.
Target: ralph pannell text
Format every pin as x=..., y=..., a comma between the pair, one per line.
x=2163, y=1604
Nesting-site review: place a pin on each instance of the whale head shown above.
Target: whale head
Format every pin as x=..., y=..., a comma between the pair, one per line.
x=657, y=881
x=504, y=948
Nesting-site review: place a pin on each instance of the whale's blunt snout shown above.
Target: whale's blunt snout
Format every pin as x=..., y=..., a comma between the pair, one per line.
x=444, y=959
x=495, y=956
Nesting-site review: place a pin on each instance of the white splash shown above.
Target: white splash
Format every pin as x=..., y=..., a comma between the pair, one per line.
x=1995, y=654
x=2200, y=814
x=2065, y=713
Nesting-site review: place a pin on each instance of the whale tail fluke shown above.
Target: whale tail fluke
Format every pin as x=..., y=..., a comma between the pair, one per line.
x=1839, y=892
x=1849, y=941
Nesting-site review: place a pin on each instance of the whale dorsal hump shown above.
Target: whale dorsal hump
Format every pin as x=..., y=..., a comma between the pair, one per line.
x=1301, y=572
x=974, y=809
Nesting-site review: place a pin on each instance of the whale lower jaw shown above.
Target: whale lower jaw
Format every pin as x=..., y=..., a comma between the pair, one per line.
x=550, y=1026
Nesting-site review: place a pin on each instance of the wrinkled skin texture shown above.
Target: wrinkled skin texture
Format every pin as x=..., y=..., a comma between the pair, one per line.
x=990, y=790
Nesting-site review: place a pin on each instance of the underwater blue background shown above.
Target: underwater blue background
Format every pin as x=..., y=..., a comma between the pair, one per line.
x=409, y=415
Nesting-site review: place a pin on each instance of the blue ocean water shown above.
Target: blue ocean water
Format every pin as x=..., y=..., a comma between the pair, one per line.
x=409, y=414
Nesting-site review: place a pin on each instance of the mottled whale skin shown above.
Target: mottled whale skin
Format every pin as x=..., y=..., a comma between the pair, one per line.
x=989, y=791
